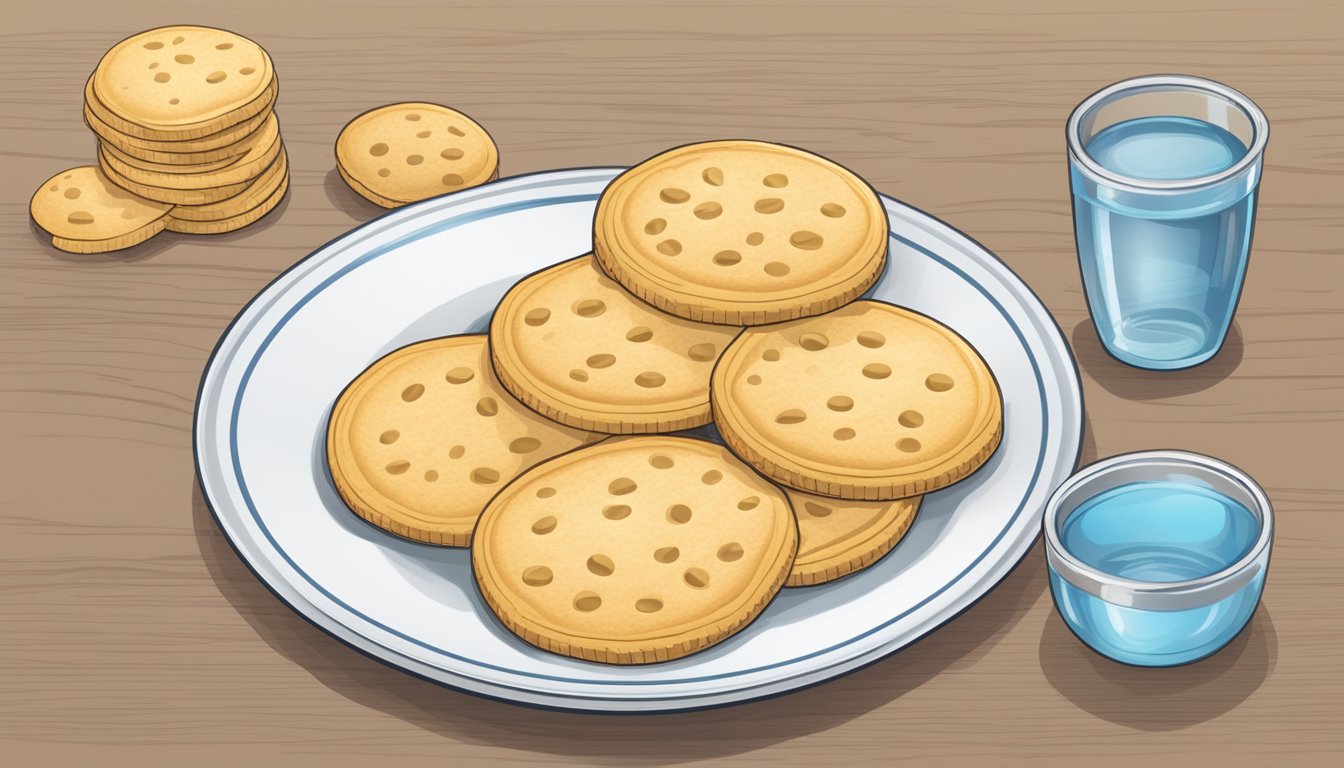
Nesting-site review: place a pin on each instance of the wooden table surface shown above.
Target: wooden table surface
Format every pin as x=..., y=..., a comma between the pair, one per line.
x=130, y=633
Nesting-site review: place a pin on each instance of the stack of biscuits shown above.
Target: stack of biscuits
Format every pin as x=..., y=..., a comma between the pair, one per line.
x=188, y=141
x=723, y=288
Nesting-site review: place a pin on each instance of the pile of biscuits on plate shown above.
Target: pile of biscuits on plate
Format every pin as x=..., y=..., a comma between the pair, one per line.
x=723, y=287
x=188, y=141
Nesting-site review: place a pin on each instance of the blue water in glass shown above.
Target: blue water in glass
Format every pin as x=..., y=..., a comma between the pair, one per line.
x=1162, y=288
x=1158, y=531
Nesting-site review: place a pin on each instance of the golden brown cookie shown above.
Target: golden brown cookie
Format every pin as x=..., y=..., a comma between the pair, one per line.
x=741, y=232
x=229, y=224
x=174, y=196
x=419, y=442
x=175, y=153
x=401, y=153
x=573, y=345
x=260, y=190
x=244, y=169
x=97, y=116
x=871, y=401
x=86, y=213
x=637, y=550
x=837, y=537
x=182, y=82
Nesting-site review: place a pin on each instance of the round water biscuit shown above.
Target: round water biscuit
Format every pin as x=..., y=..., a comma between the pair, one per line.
x=573, y=345
x=261, y=189
x=741, y=232
x=97, y=115
x=420, y=441
x=231, y=223
x=174, y=196
x=637, y=550
x=401, y=153
x=86, y=213
x=837, y=537
x=155, y=167
x=244, y=169
x=871, y=401
x=182, y=82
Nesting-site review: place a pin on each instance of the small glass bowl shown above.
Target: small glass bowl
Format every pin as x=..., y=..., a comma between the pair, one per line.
x=1156, y=623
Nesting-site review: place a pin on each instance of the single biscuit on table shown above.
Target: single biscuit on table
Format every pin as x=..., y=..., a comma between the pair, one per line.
x=258, y=192
x=420, y=441
x=182, y=82
x=401, y=153
x=244, y=169
x=85, y=213
x=636, y=550
x=871, y=401
x=741, y=232
x=573, y=345
x=837, y=537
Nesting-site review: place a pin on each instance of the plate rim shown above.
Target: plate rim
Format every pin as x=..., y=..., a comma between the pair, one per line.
x=1049, y=332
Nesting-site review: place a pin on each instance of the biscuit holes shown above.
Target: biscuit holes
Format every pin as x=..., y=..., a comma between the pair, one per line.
x=601, y=361
x=80, y=217
x=753, y=379
x=378, y=150
x=537, y=576
x=832, y=210
x=769, y=205
x=384, y=172
x=184, y=58
x=178, y=40
x=871, y=339
x=840, y=403
x=750, y=502
x=452, y=153
x=247, y=70
x=415, y=159
x=223, y=46
x=639, y=334
x=730, y=552
x=816, y=510
x=804, y=240
x=712, y=176
x=876, y=371
x=487, y=406
x=659, y=461
x=938, y=382
x=678, y=514
x=696, y=577
x=755, y=238
x=389, y=437
x=702, y=353
x=648, y=605
x=674, y=195
x=457, y=452
x=535, y=317
x=452, y=180
x=413, y=117
x=601, y=565
x=655, y=226
x=524, y=445
x=844, y=433
x=174, y=101
x=708, y=211
x=911, y=419
x=422, y=135
x=776, y=269
x=460, y=375
x=162, y=77
x=711, y=477
x=545, y=492
x=616, y=511
x=791, y=416
x=770, y=355
x=154, y=46
x=398, y=467
x=669, y=247
x=813, y=342
x=215, y=77
x=650, y=379
x=453, y=129
x=544, y=525
x=666, y=554
x=587, y=602
x=431, y=476
x=484, y=476
x=908, y=444
x=727, y=258
x=413, y=392
x=776, y=181
x=578, y=374
x=589, y=308
x=621, y=486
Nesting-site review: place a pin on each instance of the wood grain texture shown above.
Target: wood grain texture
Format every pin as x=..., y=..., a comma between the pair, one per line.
x=131, y=633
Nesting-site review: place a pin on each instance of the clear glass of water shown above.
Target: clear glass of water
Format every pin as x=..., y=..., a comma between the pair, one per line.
x=1164, y=171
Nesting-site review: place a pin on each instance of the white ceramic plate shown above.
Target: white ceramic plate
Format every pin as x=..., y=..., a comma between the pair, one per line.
x=438, y=268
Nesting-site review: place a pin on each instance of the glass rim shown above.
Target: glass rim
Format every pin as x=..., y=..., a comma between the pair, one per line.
x=1157, y=595
x=1259, y=128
